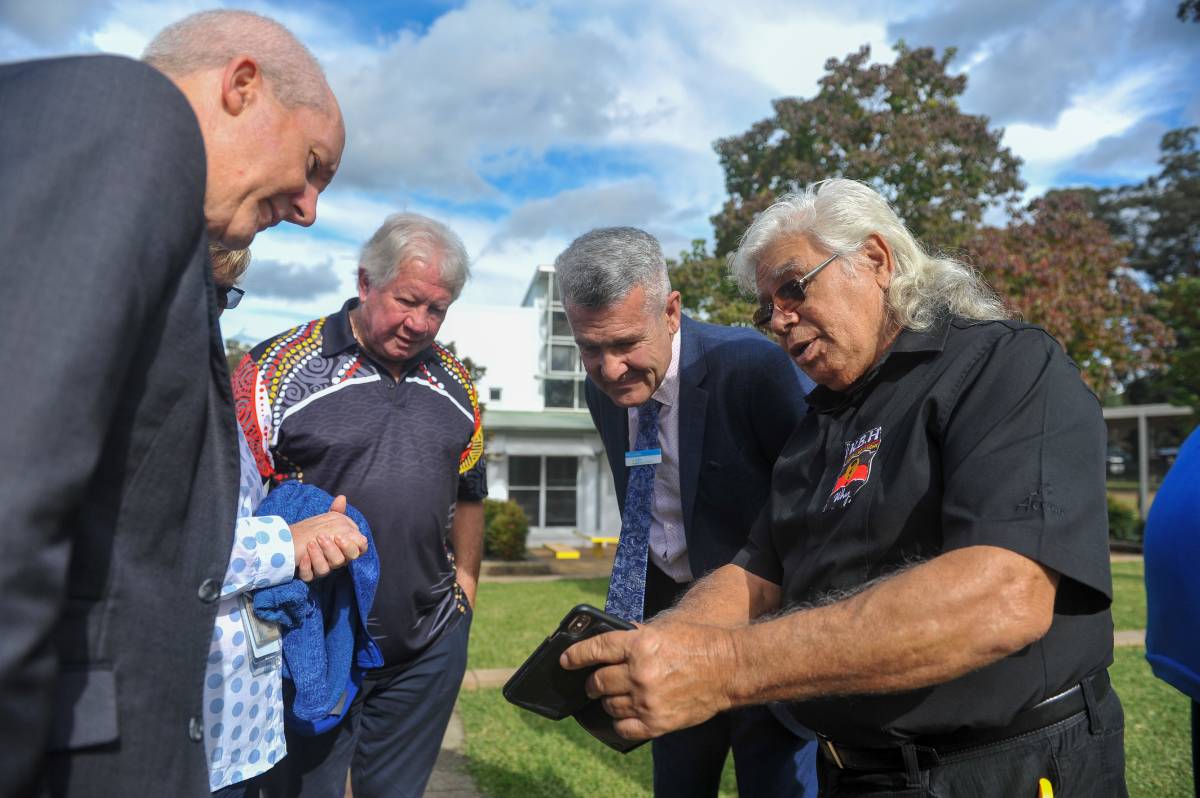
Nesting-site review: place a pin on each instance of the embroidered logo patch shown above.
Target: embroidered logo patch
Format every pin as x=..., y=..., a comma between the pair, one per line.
x=856, y=469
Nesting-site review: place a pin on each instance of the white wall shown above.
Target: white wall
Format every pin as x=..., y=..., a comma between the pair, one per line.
x=506, y=341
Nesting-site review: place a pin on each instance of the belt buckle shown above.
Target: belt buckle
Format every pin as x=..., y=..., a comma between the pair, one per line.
x=831, y=752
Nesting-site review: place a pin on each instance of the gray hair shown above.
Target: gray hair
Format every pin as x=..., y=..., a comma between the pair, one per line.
x=209, y=39
x=405, y=236
x=840, y=215
x=601, y=267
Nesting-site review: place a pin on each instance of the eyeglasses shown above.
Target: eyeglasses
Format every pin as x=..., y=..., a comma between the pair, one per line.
x=229, y=296
x=788, y=296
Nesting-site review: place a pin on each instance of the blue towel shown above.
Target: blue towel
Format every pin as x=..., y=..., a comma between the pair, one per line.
x=326, y=645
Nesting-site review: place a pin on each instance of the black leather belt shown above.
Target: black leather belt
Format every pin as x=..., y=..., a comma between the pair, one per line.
x=931, y=749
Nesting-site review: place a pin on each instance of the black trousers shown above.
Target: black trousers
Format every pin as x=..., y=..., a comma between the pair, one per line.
x=391, y=736
x=1082, y=756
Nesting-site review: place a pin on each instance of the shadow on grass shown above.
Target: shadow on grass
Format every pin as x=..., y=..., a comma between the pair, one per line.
x=517, y=754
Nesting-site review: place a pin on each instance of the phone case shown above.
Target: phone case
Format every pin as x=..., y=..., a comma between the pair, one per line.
x=543, y=686
x=599, y=724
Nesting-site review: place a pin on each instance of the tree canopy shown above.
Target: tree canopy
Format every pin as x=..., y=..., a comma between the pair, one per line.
x=1059, y=266
x=895, y=126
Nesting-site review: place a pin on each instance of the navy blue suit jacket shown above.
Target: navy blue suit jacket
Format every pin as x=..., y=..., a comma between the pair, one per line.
x=740, y=397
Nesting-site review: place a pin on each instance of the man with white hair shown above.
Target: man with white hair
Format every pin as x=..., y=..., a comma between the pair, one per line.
x=928, y=585
x=120, y=475
x=366, y=403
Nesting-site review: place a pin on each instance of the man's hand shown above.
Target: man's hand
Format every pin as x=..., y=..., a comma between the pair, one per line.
x=326, y=541
x=657, y=678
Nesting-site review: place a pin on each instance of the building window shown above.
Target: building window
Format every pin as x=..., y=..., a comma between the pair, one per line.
x=558, y=324
x=545, y=488
x=494, y=394
x=560, y=393
x=564, y=357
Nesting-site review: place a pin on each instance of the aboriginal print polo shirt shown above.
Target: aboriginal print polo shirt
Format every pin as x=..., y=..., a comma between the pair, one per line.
x=316, y=408
x=969, y=434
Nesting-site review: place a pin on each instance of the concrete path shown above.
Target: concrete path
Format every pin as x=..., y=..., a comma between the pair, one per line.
x=450, y=778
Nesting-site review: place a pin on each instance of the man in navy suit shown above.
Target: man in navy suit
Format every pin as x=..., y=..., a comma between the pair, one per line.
x=724, y=401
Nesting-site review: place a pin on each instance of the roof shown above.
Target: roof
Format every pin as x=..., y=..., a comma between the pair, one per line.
x=549, y=420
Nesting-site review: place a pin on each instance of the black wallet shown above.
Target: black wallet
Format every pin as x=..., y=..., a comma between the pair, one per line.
x=543, y=686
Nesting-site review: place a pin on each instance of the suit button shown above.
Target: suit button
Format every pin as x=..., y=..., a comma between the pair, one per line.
x=210, y=590
x=195, y=730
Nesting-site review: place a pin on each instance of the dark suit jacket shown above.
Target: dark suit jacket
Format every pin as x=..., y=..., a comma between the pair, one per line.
x=740, y=396
x=119, y=461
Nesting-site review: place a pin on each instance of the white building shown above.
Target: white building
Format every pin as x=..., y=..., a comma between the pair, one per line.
x=542, y=450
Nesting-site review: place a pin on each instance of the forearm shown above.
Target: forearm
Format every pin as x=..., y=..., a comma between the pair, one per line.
x=466, y=538
x=927, y=625
x=728, y=597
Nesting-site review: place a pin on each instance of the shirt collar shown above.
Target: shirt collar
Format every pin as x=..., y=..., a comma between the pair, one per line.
x=668, y=392
x=338, y=336
x=932, y=339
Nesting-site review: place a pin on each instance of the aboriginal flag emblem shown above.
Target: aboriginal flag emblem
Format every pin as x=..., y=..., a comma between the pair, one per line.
x=856, y=469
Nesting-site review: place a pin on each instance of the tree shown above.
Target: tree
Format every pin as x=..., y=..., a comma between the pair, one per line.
x=897, y=127
x=1178, y=308
x=1188, y=7
x=1058, y=266
x=235, y=350
x=708, y=291
x=1163, y=214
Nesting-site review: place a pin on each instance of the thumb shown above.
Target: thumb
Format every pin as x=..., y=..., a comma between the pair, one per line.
x=339, y=505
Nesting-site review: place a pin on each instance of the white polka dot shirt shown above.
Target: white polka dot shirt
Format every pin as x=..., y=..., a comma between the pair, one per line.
x=243, y=713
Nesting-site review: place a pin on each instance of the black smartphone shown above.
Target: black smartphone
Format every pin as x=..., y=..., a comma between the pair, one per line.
x=541, y=684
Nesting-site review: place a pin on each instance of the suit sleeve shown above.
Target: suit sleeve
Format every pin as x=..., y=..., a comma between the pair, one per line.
x=776, y=391
x=102, y=202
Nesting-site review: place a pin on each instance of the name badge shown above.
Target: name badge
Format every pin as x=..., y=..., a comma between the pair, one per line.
x=643, y=457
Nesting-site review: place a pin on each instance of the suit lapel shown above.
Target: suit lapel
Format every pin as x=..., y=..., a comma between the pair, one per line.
x=693, y=402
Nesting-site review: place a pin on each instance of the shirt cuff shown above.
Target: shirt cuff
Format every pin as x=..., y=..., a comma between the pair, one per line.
x=263, y=555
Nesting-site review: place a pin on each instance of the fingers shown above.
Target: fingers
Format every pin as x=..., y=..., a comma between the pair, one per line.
x=605, y=649
x=304, y=568
x=334, y=558
x=339, y=505
x=316, y=553
x=349, y=547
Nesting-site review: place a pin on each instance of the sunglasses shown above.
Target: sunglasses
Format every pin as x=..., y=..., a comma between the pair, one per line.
x=229, y=297
x=787, y=297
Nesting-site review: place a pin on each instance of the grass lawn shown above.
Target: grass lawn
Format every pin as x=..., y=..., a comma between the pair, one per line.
x=513, y=618
x=1129, y=595
x=516, y=754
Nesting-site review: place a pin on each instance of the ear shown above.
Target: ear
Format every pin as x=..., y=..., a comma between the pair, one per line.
x=878, y=254
x=674, y=311
x=241, y=83
x=364, y=285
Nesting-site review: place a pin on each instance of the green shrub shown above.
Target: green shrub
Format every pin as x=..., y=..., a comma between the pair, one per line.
x=1123, y=522
x=505, y=528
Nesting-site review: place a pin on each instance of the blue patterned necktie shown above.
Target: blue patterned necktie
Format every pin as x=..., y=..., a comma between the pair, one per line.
x=627, y=587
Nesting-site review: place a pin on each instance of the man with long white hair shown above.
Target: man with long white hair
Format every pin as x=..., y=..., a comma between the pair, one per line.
x=928, y=586
x=120, y=474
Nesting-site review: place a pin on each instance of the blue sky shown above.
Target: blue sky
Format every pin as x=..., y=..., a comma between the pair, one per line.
x=523, y=123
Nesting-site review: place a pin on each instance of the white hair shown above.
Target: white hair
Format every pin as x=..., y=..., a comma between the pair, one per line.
x=210, y=39
x=839, y=215
x=602, y=266
x=405, y=236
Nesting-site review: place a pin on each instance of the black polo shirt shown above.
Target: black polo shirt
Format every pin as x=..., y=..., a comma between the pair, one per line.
x=973, y=433
x=315, y=407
